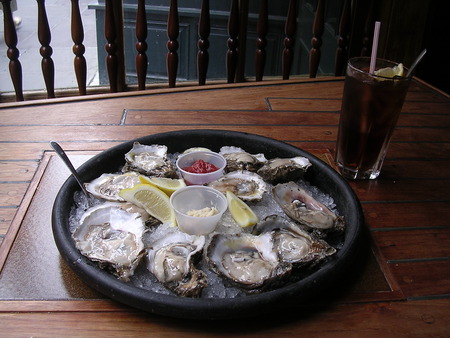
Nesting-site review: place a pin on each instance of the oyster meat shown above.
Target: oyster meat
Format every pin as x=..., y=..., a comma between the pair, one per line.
x=170, y=259
x=293, y=244
x=238, y=159
x=299, y=205
x=247, y=185
x=284, y=169
x=111, y=234
x=107, y=186
x=150, y=160
x=246, y=260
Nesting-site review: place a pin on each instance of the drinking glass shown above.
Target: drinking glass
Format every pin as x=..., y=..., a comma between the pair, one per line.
x=370, y=109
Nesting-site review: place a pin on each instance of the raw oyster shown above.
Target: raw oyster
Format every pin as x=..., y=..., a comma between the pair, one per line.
x=284, y=169
x=293, y=244
x=107, y=186
x=303, y=208
x=238, y=159
x=170, y=259
x=246, y=260
x=247, y=185
x=111, y=234
x=150, y=160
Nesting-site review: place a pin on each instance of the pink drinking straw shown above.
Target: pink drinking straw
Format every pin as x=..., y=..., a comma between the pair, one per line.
x=373, y=57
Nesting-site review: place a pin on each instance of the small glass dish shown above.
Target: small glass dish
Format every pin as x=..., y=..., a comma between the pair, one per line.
x=197, y=198
x=186, y=160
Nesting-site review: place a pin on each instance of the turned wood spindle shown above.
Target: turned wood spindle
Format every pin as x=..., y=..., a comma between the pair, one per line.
x=233, y=43
x=15, y=68
x=141, y=44
x=369, y=24
x=173, y=29
x=290, y=28
x=78, y=48
x=204, y=29
x=316, y=41
x=343, y=39
x=110, y=47
x=46, y=51
x=261, y=42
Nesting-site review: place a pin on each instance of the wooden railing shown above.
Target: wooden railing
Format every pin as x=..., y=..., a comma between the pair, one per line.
x=235, y=54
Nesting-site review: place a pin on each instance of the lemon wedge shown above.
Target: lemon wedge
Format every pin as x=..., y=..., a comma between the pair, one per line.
x=240, y=211
x=152, y=200
x=168, y=185
x=390, y=72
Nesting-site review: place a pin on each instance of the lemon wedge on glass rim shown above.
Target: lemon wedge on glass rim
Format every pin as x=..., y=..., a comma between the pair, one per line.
x=240, y=211
x=168, y=185
x=389, y=72
x=152, y=200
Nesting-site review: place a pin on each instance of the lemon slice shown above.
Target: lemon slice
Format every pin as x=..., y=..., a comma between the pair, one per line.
x=390, y=72
x=152, y=200
x=168, y=185
x=241, y=212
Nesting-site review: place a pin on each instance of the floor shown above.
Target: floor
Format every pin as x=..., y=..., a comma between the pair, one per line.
x=58, y=13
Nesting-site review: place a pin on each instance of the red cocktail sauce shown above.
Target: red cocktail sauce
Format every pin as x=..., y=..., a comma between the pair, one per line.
x=201, y=167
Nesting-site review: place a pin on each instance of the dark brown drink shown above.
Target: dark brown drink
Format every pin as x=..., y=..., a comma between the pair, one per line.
x=370, y=109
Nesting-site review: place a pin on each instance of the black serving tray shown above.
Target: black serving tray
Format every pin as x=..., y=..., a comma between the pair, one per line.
x=305, y=291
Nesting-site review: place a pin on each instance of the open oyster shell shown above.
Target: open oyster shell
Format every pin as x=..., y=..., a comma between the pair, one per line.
x=238, y=159
x=107, y=186
x=284, y=169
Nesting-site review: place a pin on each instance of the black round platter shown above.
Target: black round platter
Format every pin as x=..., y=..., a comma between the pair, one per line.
x=300, y=292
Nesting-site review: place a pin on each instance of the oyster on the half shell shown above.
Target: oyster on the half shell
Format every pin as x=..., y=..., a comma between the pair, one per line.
x=247, y=185
x=150, y=160
x=170, y=259
x=238, y=159
x=246, y=260
x=284, y=169
x=299, y=205
x=107, y=186
x=293, y=244
x=111, y=234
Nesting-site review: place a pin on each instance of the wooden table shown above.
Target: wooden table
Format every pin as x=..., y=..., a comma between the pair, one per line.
x=404, y=289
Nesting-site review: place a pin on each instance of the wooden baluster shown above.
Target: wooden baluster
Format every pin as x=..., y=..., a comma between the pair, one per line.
x=261, y=42
x=290, y=28
x=78, y=47
x=15, y=68
x=173, y=29
x=368, y=31
x=141, y=44
x=204, y=29
x=110, y=47
x=343, y=38
x=45, y=37
x=316, y=41
x=242, y=43
x=233, y=32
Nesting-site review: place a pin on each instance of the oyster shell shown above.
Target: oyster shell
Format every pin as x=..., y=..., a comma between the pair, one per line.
x=248, y=261
x=238, y=159
x=170, y=259
x=150, y=160
x=284, y=169
x=247, y=185
x=293, y=244
x=303, y=208
x=107, y=186
x=111, y=234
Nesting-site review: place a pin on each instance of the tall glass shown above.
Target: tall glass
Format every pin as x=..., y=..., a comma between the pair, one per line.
x=370, y=109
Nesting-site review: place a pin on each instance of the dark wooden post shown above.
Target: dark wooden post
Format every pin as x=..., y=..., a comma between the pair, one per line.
x=78, y=47
x=368, y=30
x=141, y=44
x=289, y=30
x=173, y=29
x=233, y=32
x=45, y=37
x=110, y=47
x=204, y=29
x=316, y=41
x=343, y=38
x=261, y=42
x=15, y=68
